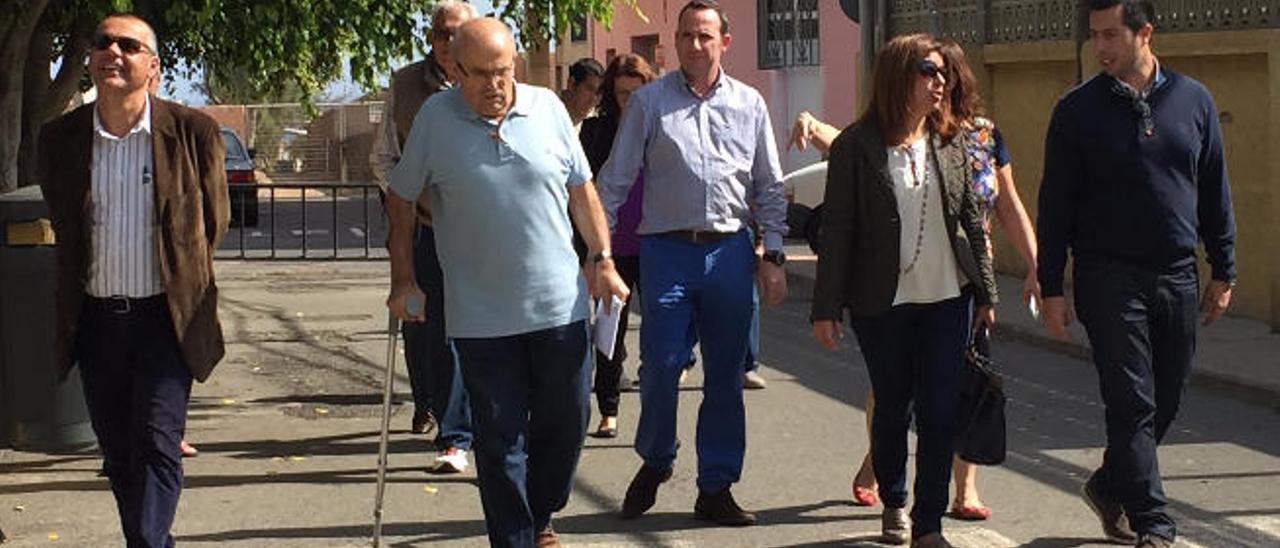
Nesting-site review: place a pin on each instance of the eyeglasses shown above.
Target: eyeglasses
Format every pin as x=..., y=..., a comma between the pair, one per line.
x=487, y=74
x=129, y=46
x=929, y=69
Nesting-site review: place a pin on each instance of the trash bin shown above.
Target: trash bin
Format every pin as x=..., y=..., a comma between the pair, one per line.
x=36, y=411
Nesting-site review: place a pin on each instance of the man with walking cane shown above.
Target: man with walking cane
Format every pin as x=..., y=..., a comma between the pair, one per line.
x=502, y=167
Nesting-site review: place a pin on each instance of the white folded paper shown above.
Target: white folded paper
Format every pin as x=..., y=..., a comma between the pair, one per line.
x=606, y=331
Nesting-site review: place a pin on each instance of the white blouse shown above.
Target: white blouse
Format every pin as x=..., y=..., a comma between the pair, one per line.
x=927, y=271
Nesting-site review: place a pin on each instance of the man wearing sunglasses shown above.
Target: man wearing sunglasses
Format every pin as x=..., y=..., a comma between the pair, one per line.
x=138, y=196
x=438, y=393
x=1134, y=180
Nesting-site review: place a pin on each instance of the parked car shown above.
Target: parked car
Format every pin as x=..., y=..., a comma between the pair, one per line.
x=242, y=183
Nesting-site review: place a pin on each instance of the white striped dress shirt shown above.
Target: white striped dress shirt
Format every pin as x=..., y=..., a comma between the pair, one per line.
x=123, y=260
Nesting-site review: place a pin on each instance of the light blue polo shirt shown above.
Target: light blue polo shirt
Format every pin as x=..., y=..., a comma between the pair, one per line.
x=499, y=203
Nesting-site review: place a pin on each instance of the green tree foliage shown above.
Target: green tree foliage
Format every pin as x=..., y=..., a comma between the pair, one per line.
x=281, y=47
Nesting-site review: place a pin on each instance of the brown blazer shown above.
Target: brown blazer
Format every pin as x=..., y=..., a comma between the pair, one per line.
x=858, y=256
x=192, y=212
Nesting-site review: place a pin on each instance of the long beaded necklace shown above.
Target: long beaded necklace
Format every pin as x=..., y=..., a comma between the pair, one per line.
x=916, y=181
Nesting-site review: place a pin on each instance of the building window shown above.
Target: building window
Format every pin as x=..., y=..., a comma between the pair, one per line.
x=578, y=28
x=788, y=33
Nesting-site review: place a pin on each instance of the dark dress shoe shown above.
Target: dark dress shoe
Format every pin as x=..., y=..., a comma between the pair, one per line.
x=1115, y=525
x=720, y=508
x=643, y=491
x=605, y=433
x=423, y=422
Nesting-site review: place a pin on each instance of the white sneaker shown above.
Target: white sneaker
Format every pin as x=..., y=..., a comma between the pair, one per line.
x=751, y=380
x=452, y=461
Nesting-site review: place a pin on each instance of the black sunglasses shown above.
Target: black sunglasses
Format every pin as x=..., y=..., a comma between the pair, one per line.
x=929, y=69
x=128, y=45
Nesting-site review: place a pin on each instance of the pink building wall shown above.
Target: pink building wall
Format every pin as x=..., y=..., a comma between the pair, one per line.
x=787, y=91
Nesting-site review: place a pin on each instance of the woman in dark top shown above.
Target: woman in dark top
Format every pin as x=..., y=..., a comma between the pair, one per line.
x=903, y=249
x=625, y=74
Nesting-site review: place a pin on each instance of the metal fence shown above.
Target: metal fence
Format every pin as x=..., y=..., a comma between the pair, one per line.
x=309, y=221
x=1005, y=21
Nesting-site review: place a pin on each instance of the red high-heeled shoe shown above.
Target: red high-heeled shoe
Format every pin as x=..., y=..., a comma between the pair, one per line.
x=863, y=496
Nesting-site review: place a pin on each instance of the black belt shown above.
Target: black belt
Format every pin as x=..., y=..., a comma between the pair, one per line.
x=125, y=305
x=699, y=236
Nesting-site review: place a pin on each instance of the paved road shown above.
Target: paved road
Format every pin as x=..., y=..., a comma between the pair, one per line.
x=355, y=219
x=288, y=428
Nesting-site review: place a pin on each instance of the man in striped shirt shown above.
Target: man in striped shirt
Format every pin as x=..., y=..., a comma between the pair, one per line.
x=137, y=192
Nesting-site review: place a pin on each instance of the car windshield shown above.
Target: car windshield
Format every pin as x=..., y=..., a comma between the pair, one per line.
x=234, y=149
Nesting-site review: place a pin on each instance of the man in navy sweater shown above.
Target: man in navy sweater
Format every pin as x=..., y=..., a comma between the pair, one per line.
x=1134, y=178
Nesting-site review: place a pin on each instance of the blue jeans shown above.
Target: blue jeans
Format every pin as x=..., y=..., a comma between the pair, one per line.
x=690, y=290
x=432, y=365
x=136, y=386
x=530, y=399
x=1142, y=327
x=914, y=353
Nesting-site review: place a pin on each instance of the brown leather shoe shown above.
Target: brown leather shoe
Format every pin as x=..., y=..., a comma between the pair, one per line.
x=423, y=422
x=1115, y=525
x=643, y=491
x=547, y=538
x=931, y=540
x=719, y=507
x=895, y=526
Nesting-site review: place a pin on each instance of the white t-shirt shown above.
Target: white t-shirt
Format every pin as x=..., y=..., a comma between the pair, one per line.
x=927, y=272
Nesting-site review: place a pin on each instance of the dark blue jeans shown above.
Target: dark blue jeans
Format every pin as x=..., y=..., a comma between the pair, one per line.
x=703, y=291
x=432, y=365
x=136, y=386
x=1142, y=327
x=914, y=353
x=530, y=400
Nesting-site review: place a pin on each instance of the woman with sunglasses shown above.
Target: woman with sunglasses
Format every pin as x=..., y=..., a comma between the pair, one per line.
x=902, y=248
x=625, y=74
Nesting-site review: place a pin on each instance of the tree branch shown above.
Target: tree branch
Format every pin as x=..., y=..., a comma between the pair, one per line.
x=67, y=82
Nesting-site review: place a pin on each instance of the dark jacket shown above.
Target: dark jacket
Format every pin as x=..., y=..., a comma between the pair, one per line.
x=859, y=258
x=192, y=212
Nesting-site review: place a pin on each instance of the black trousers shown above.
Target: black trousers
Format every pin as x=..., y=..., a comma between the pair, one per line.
x=609, y=372
x=136, y=385
x=1142, y=326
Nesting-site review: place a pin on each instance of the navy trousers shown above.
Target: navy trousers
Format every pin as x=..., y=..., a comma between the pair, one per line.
x=700, y=290
x=432, y=364
x=136, y=387
x=1142, y=327
x=914, y=354
x=530, y=400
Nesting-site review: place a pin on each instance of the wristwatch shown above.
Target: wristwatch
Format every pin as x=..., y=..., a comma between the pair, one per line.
x=776, y=257
x=601, y=256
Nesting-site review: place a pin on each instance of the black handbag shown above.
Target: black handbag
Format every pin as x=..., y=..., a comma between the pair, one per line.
x=980, y=437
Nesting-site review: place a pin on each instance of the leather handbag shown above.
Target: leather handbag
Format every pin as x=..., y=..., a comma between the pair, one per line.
x=980, y=437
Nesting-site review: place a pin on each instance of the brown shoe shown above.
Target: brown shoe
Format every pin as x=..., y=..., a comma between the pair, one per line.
x=423, y=422
x=643, y=491
x=719, y=507
x=547, y=538
x=1154, y=541
x=1115, y=525
x=895, y=526
x=931, y=540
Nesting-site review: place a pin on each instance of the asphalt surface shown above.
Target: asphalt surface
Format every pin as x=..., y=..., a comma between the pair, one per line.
x=288, y=430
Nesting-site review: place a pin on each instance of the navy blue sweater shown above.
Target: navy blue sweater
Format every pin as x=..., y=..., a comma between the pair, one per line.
x=1112, y=191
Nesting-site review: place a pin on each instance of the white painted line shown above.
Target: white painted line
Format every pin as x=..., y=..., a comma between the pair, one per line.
x=357, y=232
x=256, y=234
x=1267, y=525
x=977, y=537
x=310, y=232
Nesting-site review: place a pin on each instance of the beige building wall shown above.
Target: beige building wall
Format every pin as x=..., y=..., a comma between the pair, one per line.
x=1240, y=68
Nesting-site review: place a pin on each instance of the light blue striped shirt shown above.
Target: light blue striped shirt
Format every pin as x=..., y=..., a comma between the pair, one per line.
x=499, y=203
x=709, y=163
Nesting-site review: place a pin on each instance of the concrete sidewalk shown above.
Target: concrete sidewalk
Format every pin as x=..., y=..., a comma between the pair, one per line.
x=1235, y=352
